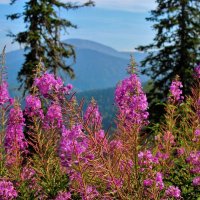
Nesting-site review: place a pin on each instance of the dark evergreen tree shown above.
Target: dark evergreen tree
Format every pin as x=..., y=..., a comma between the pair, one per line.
x=42, y=37
x=176, y=46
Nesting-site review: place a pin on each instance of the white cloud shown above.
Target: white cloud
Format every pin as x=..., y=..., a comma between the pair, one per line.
x=127, y=5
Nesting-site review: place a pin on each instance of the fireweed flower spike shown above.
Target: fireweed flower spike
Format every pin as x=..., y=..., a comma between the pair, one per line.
x=4, y=95
x=132, y=101
x=175, y=90
x=14, y=138
x=74, y=157
x=47, y=84
x=7, y=190
x=73, y=143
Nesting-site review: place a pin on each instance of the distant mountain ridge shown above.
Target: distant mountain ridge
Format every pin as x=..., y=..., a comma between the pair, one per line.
x=102, y=48
x=97, y=67
x=87, y=44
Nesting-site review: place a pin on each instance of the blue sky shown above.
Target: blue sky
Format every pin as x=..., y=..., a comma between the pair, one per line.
x=120, y=24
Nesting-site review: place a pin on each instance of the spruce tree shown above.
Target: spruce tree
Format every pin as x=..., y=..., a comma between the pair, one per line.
x=176, y=46
x=41, y=38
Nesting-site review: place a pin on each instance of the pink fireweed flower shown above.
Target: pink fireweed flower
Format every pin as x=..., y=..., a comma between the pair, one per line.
x=67, y=88
x=173, y=191
x=47, y=83
x=148, y=182
x=73, y=145
x=53, y=117
x=90, y=194
x=33, y=106
x=4, y=95
x=159, y=180
x=146, y=159
x=196, y=181
x=161, y=156
x=92, y=115
x=156, y=180
x=197, y=71
x=198, y=108
x=180, y=151
x=131, y=100
x=73, y=151
x=194, y=160
x=197, y=132
x=33, y=102
x=14, y=137
x=175, y=91
x=7, y=190
x=196, y=135
x=63, y=196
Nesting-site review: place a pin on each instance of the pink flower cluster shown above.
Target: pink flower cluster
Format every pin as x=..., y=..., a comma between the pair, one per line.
x=14, y=138
x=146, y=160
x=196, y=181
x=7, y=190
x=194, y=160
x=157, y=181
x=175, y=90
x=197, y=71
x=173, y=191
x=73, y=144
x=76, y=156
x=33, y=106
x=196, y=135
x=91, y=193
x=4, y=97
x=53, y=117
x=47, y=83
x=63, y=196
x=131, y=100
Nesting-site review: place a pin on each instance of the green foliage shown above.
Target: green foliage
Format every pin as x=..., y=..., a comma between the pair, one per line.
x=181, y=177
x=45, y=161
x=182, y=120
x=42, y=37
x=175, y=50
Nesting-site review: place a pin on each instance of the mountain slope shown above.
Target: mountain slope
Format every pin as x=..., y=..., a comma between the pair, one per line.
x=97, y=67
x=88, y=44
